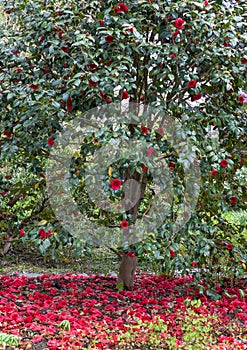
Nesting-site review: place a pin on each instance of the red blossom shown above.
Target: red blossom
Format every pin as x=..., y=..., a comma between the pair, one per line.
x=22, y=232
x=172, y=55
x=229, y=246
x=115, y=184
x=175, y=34
x=144, y=130
x=125, y=95
x=224, y=163
x=196, y=97
x=121, y=7
x=93, y=83
x=172, y=165
x=194, y=263
x=69, y=104
x=172, y=253
x=241, y=99
x=50, y=141
x=179, y=23
x=7, y=133
x=244, y=61
x=124, y=224
x=101, y=22
x=214, y=172
x=144, y=169
x=150, y=151
x=233, y=200
x=34, y=86
x=109, y=38
x=192, y=84
x=108, y=100
x=42, y=38
x=65, y=48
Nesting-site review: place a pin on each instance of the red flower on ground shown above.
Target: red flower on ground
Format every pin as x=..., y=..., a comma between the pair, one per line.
x=191, y=84
x=125, y=95
x=224, y=163
x=109, y=38
x=50, y=141
x=144, y=130
x=124, y=224
x=121, y=7
x=197, y=97
x=22, y=232
x=233, y=200
x=115, y=184
x=93, y=83
x=214, y=172
x=179, y=23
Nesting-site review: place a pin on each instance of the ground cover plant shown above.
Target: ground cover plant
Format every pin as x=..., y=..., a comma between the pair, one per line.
x=87, y=312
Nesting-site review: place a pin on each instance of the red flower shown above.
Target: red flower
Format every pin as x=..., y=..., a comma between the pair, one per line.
x=22, y=232
x=93, y=83
x=42, y=38
x=175, y=34
x=130, y=254
x=34, y=87
x=124, y=224
x=50, y=141
x=60, y=34
x=172, y=253
x=172, y=55
x=69, y=104
x=109, y=38
x=191, y=84
x=108, y=100
x=150, y=151
x=92, y=66
x=115, y=184
x=244, y=61
x=144, y=169
x=206, y=3
x=241, y=99
x=121, y=7
x=101, y=22
x=224, y=163
x=7, y=133
x=194, y=263
x=46, y=70
x=179, y=23
x=125, y=95
x=160, y=131
x=233, y=200
x=197, y=97
x=229, y=246
x=172, y=165
x=214, y=172
x=65, y=49
x=144, y=130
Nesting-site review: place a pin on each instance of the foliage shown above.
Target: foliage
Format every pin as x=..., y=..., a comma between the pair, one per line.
x=59, y=59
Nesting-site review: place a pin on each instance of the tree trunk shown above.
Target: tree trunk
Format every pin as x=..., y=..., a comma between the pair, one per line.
x=129, y=260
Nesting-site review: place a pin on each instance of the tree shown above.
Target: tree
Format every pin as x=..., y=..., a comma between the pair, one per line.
x=187, y=59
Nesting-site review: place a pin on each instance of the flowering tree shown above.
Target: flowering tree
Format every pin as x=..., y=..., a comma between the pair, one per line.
x=59, y=59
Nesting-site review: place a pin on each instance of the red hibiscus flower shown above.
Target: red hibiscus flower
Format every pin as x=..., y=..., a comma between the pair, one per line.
x=229, y=246
x=50, y=141
x=108, y=100
x=93, y=83
x=124, y=224
x=125, y=95
x=224, y=163
x=109, y=38
x=115, y=184
x=172, y=55
x=233, y=200
x=206, y=3
x=191, y=84
x=179, y=23
x=214, y=172
x=121, y=7
x=144, y=169
x=197, y=97
x=144, y=130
